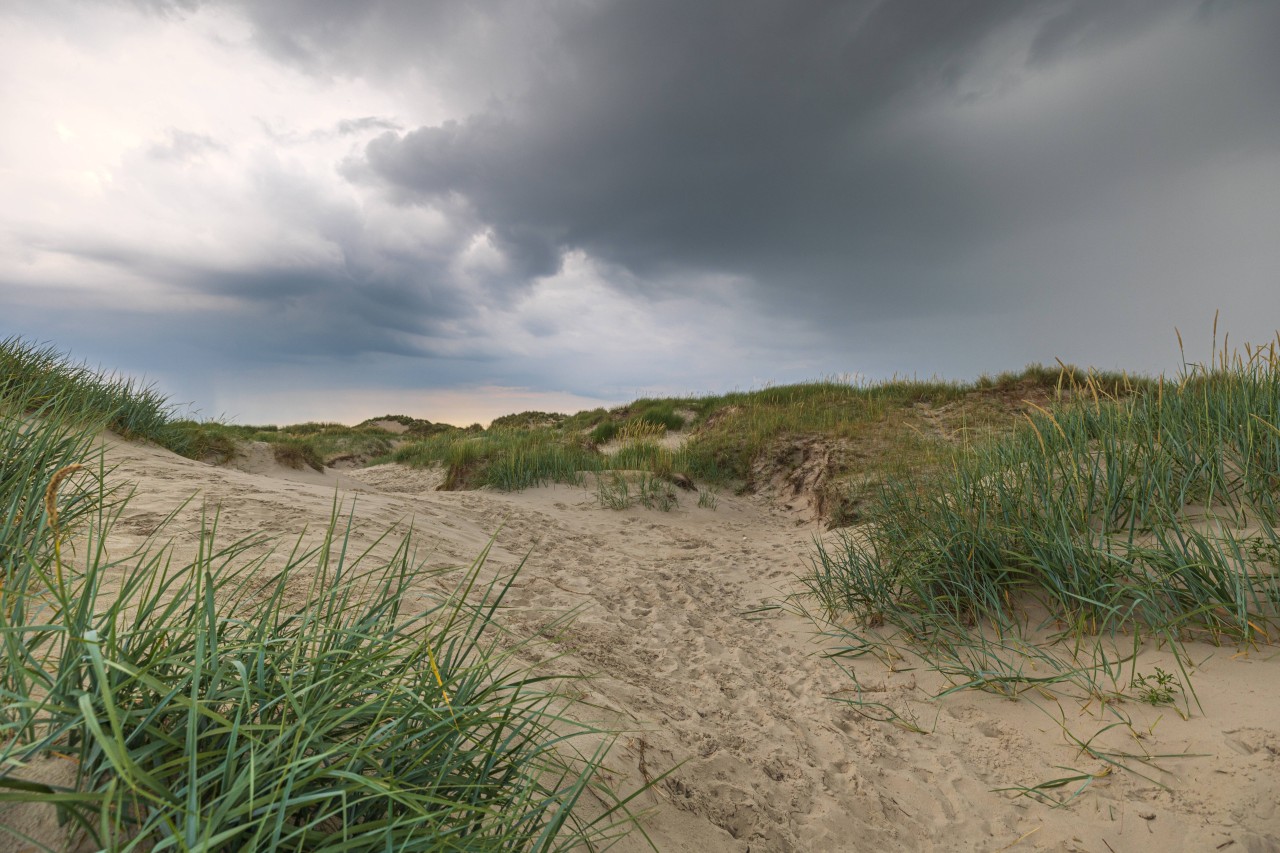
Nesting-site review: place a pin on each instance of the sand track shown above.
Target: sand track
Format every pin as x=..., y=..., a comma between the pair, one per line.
x=737, y=700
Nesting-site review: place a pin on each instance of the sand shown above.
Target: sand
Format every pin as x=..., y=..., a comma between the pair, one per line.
x=735, y=703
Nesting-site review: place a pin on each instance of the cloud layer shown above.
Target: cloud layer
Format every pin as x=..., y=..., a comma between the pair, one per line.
x=602, y=199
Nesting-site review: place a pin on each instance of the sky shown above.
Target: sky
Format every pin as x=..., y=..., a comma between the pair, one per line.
x=325, y=210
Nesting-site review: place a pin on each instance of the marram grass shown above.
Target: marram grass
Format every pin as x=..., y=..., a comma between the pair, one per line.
x=204, y=710
x=1148, y=515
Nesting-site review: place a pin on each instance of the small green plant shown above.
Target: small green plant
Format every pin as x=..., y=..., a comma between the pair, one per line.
x=656, y=493
x=708, y=498
x=1265, y=549
x=604, y=432
x=612, y=490
x=1159, y=688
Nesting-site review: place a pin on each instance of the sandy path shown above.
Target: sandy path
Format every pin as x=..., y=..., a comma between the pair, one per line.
x=740, y=700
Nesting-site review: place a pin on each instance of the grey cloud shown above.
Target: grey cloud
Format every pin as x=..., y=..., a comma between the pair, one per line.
x=367, y=123
x=469, y=50
x=359, y=296
x=362, y=126
x=777, y=141
x=182, y=146
x=919, y=186
x=168, y=8
x=1090, y=24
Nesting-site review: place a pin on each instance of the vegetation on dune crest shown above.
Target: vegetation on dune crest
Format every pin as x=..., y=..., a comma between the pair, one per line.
x=1154, y=511
x=853, y=436
x=200, y=709
x=36, y=378
x=418, y=427
x=1043, y=561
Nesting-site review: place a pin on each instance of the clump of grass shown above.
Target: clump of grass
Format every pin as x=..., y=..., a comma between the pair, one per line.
x=1140, y=515
x=33, y=451
x=621, y=490
x=356, y=445
x=659, y=413
x=202, y=710
x=298, y=453
x=583, y=421
x=649, y=423
x=641, y=431
x=656, y=493
x=510, y=460
x=605, y=432
x=741, y=428
x=417, y=427
x=1064, y=377
x=644, y=455
x=527, y=420
x=613, y=491
x=313, y=428
x=33, y=376
x=372, y=423
x=210, y=440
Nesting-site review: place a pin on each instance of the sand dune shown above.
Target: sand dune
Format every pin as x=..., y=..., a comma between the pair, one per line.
x=735, y=703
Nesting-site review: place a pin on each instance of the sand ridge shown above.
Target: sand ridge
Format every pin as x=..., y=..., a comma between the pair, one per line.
x=735, y=702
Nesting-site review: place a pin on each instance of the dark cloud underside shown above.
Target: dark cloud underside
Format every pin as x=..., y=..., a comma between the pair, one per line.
x=832, y=149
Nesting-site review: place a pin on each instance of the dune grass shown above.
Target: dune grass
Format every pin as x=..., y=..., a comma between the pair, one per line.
x=621, y=490
x=1104, y=517
x=870, y=429
x=34, y=377
x=510, y=460
x=203, y=709
x=297, y=445
x=866, y=433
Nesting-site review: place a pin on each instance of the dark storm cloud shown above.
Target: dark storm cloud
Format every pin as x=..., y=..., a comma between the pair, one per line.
x=818, y=148
x=824, y=151
x=472, y=47
x=347, y=292
x=306, y=308
x=882, y=185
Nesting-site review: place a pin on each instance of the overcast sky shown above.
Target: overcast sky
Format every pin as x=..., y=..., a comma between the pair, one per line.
x=306, y=209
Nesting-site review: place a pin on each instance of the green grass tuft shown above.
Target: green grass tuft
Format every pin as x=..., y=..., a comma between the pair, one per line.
x=202, y=709
x=34, y=376
x=1143, y=515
